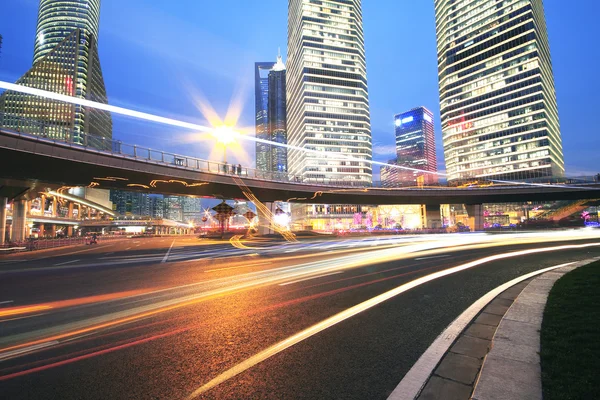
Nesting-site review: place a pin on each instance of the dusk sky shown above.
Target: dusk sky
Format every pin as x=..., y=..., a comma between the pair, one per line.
x=160, y=56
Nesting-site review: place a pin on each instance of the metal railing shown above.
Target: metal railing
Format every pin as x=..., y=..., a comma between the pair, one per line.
x=40, y=130
x=42, y=244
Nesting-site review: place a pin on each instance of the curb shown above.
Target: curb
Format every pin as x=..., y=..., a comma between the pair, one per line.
x=450, y=367
x=511, y=369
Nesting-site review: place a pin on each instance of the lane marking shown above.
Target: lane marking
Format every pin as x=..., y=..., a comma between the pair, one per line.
x=128, y=248
x=357, y=309
x=427, y=258
x=66, y=262
x=75, y=252
x=417, y=376
x=7, y=302
x=311, y=277
x=164, y=260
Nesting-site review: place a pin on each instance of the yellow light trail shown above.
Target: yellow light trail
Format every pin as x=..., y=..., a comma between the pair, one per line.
x=357, y=309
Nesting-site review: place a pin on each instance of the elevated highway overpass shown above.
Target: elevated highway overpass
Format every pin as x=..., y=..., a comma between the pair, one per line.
x=30, y=163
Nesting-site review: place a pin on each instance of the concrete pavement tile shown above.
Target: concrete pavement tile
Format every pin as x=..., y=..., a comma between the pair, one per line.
x=496, y=309
x=519, y=333
x=488, y=319
x=501, y=302
x=519, y=352
x=503, y=379
x=530, y=297
x=459, y=368
x=471, y=346
x=510, y=294
x=443, y=389
x=530, y=313
x=540, y=286
x=481, y=331
x=553, y=275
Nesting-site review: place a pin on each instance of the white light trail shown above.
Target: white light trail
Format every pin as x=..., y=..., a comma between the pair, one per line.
x=201, y=128
x=357, y=309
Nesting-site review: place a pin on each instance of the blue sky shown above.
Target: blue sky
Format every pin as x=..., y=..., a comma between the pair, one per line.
x=160, y=56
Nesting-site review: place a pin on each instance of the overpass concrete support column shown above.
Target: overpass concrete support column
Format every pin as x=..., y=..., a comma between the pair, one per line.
x=19, y=221
x=3, y=201
x=42, y=229
x=52, y=231
x=433, y=216
x=475, y=213
x=70, y=215
x=264, y=219
x=54, y=204
x=69, y=231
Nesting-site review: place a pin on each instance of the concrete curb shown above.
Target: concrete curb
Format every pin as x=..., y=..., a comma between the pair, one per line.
x=511, y=369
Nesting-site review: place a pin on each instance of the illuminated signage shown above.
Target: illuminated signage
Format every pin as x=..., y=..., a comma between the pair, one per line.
x=407, y=120
x=398, y=122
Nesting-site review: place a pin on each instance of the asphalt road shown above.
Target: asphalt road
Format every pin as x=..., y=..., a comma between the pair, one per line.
x=162, y=318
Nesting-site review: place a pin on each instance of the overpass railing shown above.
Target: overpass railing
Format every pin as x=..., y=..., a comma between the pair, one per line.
x=40, y=130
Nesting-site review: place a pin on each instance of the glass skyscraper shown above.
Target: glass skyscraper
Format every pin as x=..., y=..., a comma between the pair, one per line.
x=261, y=97
x=415, y=146
x=327, y=94
x=498, y=103
x=271, y=121
x=66, y=61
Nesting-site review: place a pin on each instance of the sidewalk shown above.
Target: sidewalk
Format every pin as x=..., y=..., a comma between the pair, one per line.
x=496, y=356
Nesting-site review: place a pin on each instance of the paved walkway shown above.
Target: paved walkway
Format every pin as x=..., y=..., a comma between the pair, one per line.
x=497, y=355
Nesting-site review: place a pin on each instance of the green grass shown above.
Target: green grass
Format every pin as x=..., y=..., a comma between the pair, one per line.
x=570, y=337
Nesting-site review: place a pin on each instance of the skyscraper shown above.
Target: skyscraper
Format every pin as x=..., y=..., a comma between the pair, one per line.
x=327, y=94
x=270, y=100
x=278, y=116
x=415, y=146
x=498, y=102
x=66, y=62
x=261, y=94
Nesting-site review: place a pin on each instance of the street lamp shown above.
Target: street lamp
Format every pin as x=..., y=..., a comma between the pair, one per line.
x=225, y=135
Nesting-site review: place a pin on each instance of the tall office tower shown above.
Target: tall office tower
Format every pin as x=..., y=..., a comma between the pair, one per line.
x=278, y=116
x=270, y=99
x=327, y=95
x=498, y=103
x=415, y=146
x=156, y=206
x=192, y=210
x=261, y=98
x=66, y=61
x=0, y=45
x=173, y=208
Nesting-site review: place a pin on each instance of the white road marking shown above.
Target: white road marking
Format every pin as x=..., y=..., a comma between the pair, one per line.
x=164, y=260
x=66, y=262
x=7, y=302
x=310, y=277
x=427, y=258
x=76, y=252
x=128, y=248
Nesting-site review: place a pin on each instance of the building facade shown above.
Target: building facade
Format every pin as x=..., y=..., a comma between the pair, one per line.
x=261, y=101
x=66, y=61
x=498, y=103
x=415, y=147
x=327, y=93
x=278, y=117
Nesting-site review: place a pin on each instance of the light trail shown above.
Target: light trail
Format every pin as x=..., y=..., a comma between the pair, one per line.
x=196, y=127
x=359, y=308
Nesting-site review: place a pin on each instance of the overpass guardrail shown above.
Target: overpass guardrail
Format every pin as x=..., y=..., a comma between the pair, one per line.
x=37, y=130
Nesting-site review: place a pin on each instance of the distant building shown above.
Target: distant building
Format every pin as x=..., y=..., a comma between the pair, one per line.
x=130, y=203
x=497, y=98
x=192, y=210
x=66, y=62
x=415, y=150
x=156, y=206
x=271, y=124
x=173, y=208
x=261, y=94
x=0, y=45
